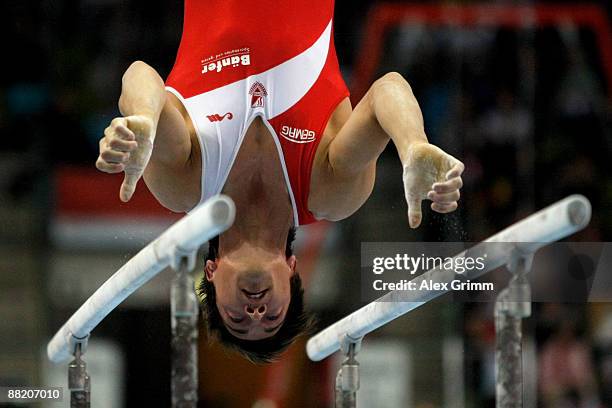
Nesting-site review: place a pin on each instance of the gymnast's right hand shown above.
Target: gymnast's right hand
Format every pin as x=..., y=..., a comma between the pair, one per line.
x=127, y=146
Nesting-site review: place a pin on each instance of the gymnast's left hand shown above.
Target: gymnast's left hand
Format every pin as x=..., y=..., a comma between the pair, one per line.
x=430, y=173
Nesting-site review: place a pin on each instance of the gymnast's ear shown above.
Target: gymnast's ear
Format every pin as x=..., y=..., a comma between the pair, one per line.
x=209, y=270
x=292, y=262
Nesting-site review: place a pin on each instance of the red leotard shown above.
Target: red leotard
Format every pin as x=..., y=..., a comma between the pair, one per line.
x=240, y=59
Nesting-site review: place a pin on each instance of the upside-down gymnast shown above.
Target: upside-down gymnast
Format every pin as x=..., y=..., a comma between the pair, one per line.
x=255, y=107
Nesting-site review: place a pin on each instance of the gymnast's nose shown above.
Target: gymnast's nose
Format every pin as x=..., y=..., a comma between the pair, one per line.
x=255, y=312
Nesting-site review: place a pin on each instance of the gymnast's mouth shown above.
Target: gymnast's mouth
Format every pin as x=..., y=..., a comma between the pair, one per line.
x=255, y=295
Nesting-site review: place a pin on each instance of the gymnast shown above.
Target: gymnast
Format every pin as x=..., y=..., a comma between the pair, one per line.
x=255, y=107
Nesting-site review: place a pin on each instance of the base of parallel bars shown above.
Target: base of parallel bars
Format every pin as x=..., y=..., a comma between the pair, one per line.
x=508, y=361
x=512, y=306
x=79, y=382
x=184, y=305
x=347, y=379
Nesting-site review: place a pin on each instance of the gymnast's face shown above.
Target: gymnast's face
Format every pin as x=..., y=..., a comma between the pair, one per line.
x=252, y=290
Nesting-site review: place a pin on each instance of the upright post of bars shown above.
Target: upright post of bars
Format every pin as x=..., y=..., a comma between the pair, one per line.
x=78, y=380
x=184, y=309
x=347, y=379
x=513, y=304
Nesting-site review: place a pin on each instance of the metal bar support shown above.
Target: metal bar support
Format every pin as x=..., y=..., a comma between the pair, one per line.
x=513, y=304
x=347, y=379
x=184, y=309
x=78, y=380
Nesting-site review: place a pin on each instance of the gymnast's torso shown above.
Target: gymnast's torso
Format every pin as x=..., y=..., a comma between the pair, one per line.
x=269, y=61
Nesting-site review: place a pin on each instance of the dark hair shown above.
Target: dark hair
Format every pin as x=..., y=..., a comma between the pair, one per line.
x=297, y=321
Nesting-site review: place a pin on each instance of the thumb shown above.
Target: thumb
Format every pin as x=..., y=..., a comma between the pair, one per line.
x=128, y=186
x=414, y=211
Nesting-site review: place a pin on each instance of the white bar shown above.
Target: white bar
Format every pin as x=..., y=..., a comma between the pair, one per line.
x=182, y=239
x=550, y=224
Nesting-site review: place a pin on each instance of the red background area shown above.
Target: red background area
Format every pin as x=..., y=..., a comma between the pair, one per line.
x=83, y=191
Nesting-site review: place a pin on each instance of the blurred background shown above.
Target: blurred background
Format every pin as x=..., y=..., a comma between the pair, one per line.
x=521, y=93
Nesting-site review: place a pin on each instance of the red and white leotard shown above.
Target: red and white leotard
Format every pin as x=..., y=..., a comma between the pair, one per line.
x=274, y=59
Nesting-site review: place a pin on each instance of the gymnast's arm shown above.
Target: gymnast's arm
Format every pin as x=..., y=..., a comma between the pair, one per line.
x=150, y=140
x=388, y=111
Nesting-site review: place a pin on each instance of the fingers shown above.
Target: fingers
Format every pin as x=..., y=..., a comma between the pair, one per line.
x=455, y=171
x=121, y=145
x=115, y=147
x=444, y=198
x=128, y=187
x=414, y=212
x=447, y=186
x=119, y=121
x=445, y=194
x=124, y=133
x=444, y=208
x=112, y=156
x=110, y=160
x=121, y=138
x=111, y=168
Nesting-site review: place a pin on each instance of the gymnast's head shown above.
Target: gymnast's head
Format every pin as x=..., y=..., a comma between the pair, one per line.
x=252, y=299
